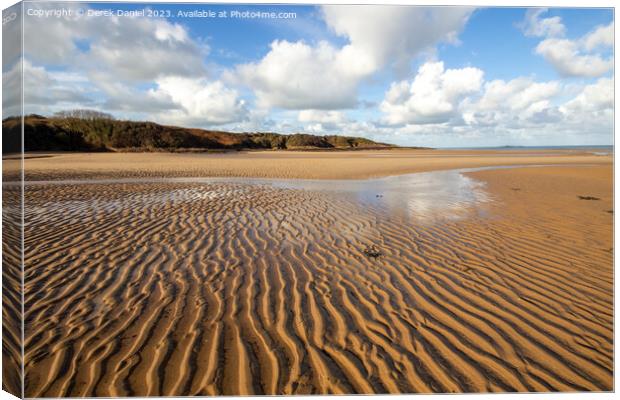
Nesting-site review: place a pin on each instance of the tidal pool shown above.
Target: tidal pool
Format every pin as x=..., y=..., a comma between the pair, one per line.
x=425, y=195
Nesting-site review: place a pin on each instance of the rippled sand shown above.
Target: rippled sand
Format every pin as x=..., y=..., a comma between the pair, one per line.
x=189, y=288
x=11, y=288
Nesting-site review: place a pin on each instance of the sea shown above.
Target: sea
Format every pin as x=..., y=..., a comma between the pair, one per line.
x=595, y=149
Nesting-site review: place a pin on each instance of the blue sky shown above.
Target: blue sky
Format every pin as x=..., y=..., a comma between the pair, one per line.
x=493, y=40
x=445, y=77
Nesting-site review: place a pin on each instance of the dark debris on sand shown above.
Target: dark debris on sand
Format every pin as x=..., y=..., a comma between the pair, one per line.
x=372, y=252
x=588, y=198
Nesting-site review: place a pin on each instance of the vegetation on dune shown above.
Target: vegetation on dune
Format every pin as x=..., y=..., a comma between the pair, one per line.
x=85, y=130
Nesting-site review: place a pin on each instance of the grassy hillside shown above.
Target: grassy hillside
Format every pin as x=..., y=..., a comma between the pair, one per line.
x=104, y=134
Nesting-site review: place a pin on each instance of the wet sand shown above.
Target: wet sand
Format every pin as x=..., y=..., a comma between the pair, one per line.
x=11, y=289
x=287, y=164
x=502, y=283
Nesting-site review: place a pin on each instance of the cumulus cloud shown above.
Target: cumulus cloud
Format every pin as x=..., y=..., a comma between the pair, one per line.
x=142, y=67
x=458, y=103
x=385, y=35
x=581, y=57
x=570, y=57
x=502, y=111
x=322, y=116
x=153, y=69
x=127, y=48
x=516, y=103
x=298, y=75
x=142, y=49
x=12, y=90
x=323, y=121
x=432, y=96
x=596, y=98
x=602, y=36
x=44, y=88
x=534, y=25
x=181, y=100
x=43, y=91
x=517, y=94
x=61, y=35
x=201, y=102
x=128, y=99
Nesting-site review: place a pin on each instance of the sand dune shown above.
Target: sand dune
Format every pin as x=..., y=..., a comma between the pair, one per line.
x=229, y=288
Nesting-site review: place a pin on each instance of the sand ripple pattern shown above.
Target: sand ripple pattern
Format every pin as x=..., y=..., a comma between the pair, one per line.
x=207, y=289
x=11, y=289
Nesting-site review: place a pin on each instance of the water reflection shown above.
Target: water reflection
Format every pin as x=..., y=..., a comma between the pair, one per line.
x=422, y=196
x=426, y=195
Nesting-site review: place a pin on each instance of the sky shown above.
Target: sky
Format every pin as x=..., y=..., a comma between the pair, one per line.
x=417, y=76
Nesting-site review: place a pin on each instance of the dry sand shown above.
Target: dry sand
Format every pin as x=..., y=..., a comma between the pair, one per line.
x=229, y=288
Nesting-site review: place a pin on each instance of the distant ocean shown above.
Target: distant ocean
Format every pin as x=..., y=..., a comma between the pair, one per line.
x=606, y=149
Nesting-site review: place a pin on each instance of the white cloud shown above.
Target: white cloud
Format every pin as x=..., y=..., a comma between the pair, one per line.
x=11, y=28
x=594, y=99
x=141, y=67
x=128, y=99
x=322, y=116
x=439, y=103
x=323, y=121
x=386, y=35
x=517, y=102
x=43, y=91
x=577, y=57
x=516, y=95
x=42, y=88
x=142, y=49
x=153, y=69
x=533, y=25
x=495, y=112
x=518, y=111
x=298, y=75
x=201, y=102
x=591, y=112
x=602, y=36
x=432, y=96
x=569, y=59
x=121, y=48
x=12, y=90
x=60, y=35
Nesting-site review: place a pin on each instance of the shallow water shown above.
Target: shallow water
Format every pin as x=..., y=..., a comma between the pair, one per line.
x=446, y=194
x=421, y=196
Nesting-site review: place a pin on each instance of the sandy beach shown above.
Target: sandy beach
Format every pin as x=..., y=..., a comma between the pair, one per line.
x=285, y=164
x=343, y=272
